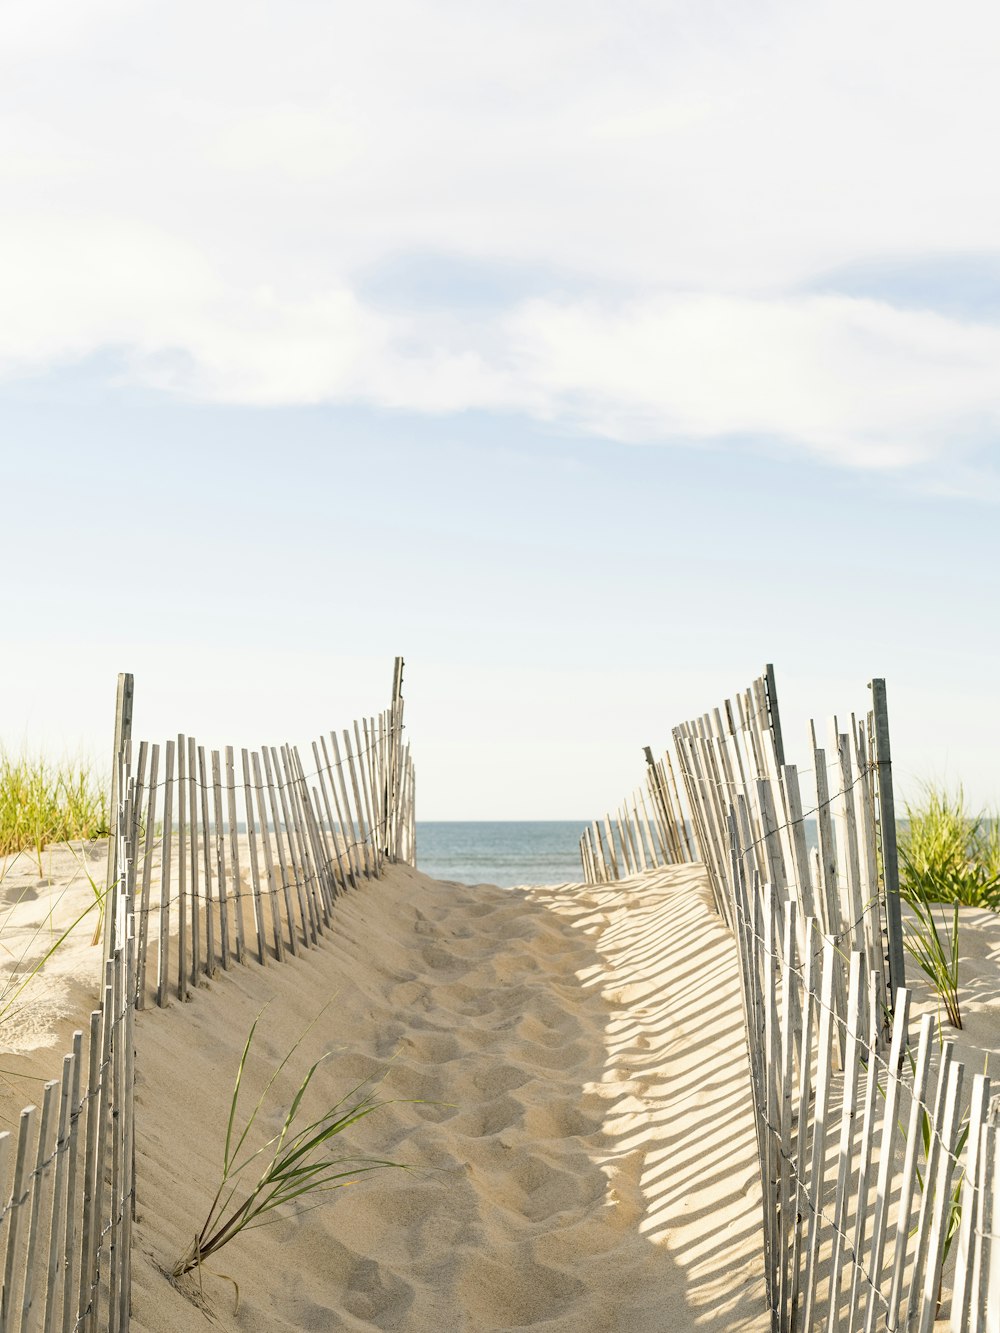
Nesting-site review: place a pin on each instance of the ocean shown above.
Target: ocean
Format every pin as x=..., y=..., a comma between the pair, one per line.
x=510, y=852
x=501, y=852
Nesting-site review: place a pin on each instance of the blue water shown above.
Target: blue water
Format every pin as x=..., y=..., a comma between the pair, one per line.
x=504, y=853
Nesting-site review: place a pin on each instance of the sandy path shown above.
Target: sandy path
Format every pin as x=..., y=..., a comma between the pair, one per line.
x=591, y=1166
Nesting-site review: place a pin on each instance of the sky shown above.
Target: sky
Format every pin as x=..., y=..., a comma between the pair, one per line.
x=587, y=355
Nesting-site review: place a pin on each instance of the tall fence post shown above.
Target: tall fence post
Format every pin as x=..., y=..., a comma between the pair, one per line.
x=122, y=741
x=887, y=829
x=773, y=716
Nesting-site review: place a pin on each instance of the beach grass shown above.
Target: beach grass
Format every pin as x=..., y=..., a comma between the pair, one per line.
x=947, y=854
x=936, y=952
x=42, y=802
x=292, y=1167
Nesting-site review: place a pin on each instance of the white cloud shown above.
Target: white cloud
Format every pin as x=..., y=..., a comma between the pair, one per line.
x=201, y=187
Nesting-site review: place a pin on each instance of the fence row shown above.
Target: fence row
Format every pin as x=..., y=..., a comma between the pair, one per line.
x=211, y=863
x=65, y=1229
x=242, y=853
x=877, y=1156
x=640, y=836
x=872, y=1175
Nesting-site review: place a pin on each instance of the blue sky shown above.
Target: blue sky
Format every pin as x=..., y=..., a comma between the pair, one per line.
x=590, y=357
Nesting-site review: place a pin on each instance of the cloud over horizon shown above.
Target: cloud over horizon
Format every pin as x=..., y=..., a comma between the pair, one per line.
x=209, y=192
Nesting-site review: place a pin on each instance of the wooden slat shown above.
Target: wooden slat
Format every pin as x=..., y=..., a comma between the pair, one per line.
x=987, y=1223
x=924, y=1218
x=163, y=969
x=286, y=878
x=301, y=813
x=810, y=1003
x=362, y=831
x=943, y=1177
x=192, y=762
x=354, y=850
x=71, y=1232
x=366, y=796
x=886, y=1160
x=90, y=1221
x=182, y=860
x=103, y=1107
x=258, y=910
x=887, y=828
x=848, y=1121
x=843, y=805
x=20, y=1193
x=817, y=1165
x=862, y=1179
x=57, y=1222
x=234, y=855
x=773, y=1071
x=222, y=889
x=307, y=890
x=117, y=1071
x=962, y=1294
x=786, y=1203
x=207, y=856
x=295, y=862
x=272, y=884
x=904, y=1210
x=611, y=850
x=341, y=832
x=147, y=873
x=322, y=774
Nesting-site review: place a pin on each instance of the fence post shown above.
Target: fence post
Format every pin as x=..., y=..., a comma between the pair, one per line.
x=123, y=738
x=773, y=717
x=887, y=828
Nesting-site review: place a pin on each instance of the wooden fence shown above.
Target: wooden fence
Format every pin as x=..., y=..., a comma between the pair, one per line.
x=65, y=1230
x=878, y=1158
x=243, y=852
x=210, y=864
x=650, y=828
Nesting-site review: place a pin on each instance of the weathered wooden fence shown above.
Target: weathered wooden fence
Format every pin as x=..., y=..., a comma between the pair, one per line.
x=649, y=828
x=243, y=852
x=878, y=1158
x=210, y=864
x=65, y=1229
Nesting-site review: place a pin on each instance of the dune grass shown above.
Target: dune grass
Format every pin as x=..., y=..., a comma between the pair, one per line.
x=294, y=1166
x=43, y=802
x=947, y=854
x=936, y=952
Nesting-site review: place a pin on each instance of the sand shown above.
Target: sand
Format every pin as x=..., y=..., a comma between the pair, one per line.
x=572, y=1105
x=583, y=1160
x=37, y=905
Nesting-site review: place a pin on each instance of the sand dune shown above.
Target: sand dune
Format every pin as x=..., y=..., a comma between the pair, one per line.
x=582, y=1154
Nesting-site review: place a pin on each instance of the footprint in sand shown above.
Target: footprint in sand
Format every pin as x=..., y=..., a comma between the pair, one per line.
x=432, y=1048
x=490, y=1117
x=512, y=1291
x=560, y=1119
x=537, y=1189
x=378, y=1296
x=439, y=959
x=494, y=1080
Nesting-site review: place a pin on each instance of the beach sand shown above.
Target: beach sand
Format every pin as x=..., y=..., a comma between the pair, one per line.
x=582, y=1156
x=569, y=1090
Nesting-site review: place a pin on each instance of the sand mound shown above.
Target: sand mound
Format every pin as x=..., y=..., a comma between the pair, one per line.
x=581, y=1154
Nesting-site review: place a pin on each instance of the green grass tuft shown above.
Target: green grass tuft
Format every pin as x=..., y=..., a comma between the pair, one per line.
x=947, y=854
x=42, y=802
x=293, y=1166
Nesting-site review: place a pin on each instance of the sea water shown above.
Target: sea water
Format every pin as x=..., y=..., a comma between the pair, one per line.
x=510, y=852
x=501, y=852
